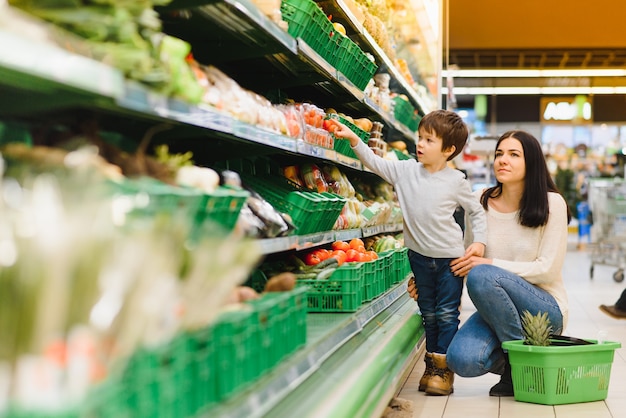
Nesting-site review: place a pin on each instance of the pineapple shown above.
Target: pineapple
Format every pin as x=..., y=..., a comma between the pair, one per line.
x=536, y=328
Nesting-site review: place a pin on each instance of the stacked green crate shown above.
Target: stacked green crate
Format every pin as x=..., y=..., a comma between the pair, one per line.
x=149, y=199
x=401, y=264
x=221, y=207
x=310, y=211
x=205, y=367
x=265, y=324
x=296, y=319
x=341, y=292
x=306, y=20
x=404, y=112
x=357, y=66
x=371, y=286
x=233, y=335
x=158, y=380
x=198, y=369
x=387, y=261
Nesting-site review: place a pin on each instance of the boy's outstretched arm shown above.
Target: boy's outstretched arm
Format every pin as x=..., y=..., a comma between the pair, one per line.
x=344, y=132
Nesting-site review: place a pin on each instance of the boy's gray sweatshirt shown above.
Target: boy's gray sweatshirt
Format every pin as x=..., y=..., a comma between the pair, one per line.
x=428, y=202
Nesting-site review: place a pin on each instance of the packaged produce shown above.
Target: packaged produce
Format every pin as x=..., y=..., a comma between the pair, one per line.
x=313, y=178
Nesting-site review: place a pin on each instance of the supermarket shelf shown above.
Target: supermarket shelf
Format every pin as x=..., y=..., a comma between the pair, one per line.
x=238, y=23
x=303, y=242
x=339, y=10
x=264, y=57
x=335, y=343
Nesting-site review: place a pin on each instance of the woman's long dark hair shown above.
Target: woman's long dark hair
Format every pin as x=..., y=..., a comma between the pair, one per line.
x=534, y=209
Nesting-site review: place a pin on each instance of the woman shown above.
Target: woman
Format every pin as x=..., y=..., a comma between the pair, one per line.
x=526, y=244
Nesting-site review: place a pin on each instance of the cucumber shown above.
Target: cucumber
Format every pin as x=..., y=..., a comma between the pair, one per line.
x=329, y=262
x=306, y=276
x=326, y=273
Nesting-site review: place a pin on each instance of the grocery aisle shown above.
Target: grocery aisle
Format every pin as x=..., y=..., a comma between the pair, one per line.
x=471, y=399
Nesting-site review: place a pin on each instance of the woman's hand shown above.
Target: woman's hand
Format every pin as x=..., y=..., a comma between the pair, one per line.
x=461, y=266
x=411, y=289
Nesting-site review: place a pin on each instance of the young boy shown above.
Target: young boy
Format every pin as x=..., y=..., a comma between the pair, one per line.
x=429, y=192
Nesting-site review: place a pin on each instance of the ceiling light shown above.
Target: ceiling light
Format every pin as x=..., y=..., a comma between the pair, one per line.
x=599, y=72
x=475, y=91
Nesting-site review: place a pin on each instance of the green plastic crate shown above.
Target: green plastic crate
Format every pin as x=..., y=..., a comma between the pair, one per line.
x=310, y=211
x=356, y=65
x=414, y=122
x=205, y=367
x=221, y=207
x=149, y=199
x=556, y=375
x=401, y=265
x=379, y=271
x=387, y=273
x=265, y=351
x=364, y=135
x=233, y=353
x=342, y=146
x=158, y=380
x=341, y=292
x=371, y=280
x=401, y=155
x=281, y=325
x=306, y=20
x=297, y=318
x=404, y=113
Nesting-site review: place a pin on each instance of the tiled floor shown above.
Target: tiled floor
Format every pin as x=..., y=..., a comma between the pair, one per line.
x=471, y=399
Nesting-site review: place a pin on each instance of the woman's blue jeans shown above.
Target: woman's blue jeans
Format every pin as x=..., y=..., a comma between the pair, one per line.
x=439, y=297
x=500, y=297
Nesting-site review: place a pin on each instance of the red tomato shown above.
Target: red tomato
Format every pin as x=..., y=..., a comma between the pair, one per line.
x=322, y=254
x=311, y=259
x=362, y=256
x=341, y=245
x=340, y=255
x=355, y=243
x=372, y=254
x=352, y=255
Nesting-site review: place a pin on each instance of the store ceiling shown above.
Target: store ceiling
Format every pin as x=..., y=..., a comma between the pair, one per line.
x=536, y=34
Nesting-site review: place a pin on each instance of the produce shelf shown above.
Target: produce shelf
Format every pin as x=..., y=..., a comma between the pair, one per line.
x=369, y=348
x=239, y=23
x=302, y=242
x=340, y=11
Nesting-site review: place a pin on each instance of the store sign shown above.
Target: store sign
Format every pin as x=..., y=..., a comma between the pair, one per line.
x=566, y=109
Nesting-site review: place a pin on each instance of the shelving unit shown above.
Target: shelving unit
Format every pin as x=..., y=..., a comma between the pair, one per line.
x=362, y=354
x=353, y=362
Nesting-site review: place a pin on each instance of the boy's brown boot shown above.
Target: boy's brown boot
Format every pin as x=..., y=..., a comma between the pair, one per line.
x=428, y=373
x=441, y=383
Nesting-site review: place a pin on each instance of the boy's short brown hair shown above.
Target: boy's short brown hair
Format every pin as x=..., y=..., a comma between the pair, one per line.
x=449, y=126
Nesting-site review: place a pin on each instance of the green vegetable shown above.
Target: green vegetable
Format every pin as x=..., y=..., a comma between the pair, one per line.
x=329, y=262
x=326, y=273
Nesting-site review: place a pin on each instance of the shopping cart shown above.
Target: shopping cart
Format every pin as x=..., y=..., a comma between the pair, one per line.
x=607, y=200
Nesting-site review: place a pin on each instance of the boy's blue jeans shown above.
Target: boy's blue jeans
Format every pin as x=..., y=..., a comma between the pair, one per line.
x=500, y=297
x=439, y=296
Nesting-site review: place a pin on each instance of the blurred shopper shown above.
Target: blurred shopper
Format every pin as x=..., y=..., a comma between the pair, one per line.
x=617, y=311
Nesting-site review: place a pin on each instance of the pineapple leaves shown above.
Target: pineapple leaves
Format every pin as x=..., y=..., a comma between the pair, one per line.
x=536, y=329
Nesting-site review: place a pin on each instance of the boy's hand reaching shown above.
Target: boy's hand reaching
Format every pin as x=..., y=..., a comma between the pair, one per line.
x=344, y=132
